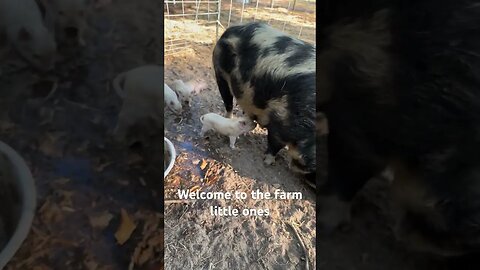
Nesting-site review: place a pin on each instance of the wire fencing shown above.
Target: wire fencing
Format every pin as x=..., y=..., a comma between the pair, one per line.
x=190, y=21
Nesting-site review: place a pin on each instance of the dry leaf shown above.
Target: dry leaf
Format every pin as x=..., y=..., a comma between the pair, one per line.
x=194, y=188
x=66, y=198
x=127, y=226
x=101, y=220
x=152, y=241
x=175, y=180
x=204, y=164
x=50, y=212
x=49, y=147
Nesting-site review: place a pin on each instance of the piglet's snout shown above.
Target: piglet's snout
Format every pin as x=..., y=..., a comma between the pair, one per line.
x=246, y=125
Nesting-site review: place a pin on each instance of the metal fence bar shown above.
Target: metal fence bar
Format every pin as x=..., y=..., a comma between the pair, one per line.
x=193, y=14
x=230, y=13
x=204, y=12
x=198, y=6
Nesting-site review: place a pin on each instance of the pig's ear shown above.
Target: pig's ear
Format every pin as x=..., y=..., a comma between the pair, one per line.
x=24, y=35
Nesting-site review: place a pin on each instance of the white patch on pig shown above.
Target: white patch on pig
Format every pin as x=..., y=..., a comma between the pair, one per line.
x=22, y=23
x=225, y=126
x=142, y=96
x=276, y=63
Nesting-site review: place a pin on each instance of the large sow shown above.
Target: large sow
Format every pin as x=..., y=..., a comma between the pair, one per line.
x=272, y=77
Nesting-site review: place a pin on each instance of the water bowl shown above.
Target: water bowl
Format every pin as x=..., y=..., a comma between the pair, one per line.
x=17, y=200
x=170, y=155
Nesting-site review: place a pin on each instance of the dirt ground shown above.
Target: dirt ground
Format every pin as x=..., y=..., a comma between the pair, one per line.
x=99, y=202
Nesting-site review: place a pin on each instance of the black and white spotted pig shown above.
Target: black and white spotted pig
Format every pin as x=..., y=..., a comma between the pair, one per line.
x=272, y=77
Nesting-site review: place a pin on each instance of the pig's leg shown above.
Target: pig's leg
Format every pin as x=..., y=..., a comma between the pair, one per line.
x=232, y=141
x=205, y=128
x=274, y=145
x=226, y=94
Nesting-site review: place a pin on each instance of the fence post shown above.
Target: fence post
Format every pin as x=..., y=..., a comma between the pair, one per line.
x=230, y=13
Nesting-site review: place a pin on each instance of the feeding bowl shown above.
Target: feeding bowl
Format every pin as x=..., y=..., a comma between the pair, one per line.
x=169, y=156
x=17, y=200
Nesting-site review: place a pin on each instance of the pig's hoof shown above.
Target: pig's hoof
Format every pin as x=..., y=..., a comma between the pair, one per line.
x=269, y=159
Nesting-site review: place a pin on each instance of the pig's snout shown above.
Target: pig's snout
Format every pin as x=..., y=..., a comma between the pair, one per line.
x=176, y=108
x=71, y=32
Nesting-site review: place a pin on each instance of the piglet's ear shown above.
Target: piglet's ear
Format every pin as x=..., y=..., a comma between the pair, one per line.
x=24, y=35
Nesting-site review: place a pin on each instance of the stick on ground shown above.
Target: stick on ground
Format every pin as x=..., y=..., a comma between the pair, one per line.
x=302, y=244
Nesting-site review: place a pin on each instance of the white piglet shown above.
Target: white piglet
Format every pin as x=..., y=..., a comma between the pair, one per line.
x=231, y=127
x=142, y=94
x=171, y=99
x=22, y=23
x=186, y=90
